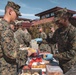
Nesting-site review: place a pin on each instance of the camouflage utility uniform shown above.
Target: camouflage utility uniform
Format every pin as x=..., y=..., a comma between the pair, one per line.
x=21, y=37
x=44, y=47
x=7, y=60
x=43, y=35
x=8, y=50
x=27, y=38
x=53, y=46
x=9, y=53
x=66, y=39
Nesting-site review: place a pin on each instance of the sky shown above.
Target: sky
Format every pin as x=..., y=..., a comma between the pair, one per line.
x=31, y=7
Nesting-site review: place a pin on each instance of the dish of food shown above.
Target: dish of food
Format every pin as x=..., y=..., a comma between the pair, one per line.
x=35, y=73
x=26, y=74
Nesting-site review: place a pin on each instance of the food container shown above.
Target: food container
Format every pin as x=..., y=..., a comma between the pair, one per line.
x=24, y=72
x=30, y=72
x=53, y=70
x=36, y=72
x=37, y=59
x=39, y=65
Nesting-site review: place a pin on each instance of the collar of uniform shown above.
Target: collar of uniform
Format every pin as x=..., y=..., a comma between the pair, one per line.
x=6, y=21
x=65, y=29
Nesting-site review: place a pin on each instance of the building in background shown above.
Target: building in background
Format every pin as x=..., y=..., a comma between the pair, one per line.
x=45, y=17
x=48, y=15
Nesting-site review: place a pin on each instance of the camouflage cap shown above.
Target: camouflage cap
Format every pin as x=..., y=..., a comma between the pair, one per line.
x=61, y=12
x=15, y=6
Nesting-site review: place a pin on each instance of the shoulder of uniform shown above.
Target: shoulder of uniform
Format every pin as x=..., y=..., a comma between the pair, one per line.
x=72, y=30
x=71, y=27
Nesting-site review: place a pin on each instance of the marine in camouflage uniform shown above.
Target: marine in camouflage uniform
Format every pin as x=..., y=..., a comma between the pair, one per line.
x=20, y=39
x=27, y=37
x=9, y=52
x=20, y=36
x=7, y=61
x=44, y=45
x=53, y=46
x=65, y=36
x=43, y=35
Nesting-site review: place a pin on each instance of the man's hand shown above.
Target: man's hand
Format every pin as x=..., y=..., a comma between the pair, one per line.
x=57, y=56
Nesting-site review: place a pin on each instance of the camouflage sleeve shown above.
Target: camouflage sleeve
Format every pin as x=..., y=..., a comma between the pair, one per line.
x=44, y=36
x=27, y=37
x=48, y=48
x=7, y=43
x=69, y=54
x=1, y=54
x=15, y=38
x=22, y=57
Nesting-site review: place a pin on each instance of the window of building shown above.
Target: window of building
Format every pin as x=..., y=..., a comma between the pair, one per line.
x=42, y=17
x=47, y=15
x=52, y=14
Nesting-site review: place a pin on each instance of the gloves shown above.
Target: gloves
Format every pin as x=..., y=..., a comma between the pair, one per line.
x=48, y=57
